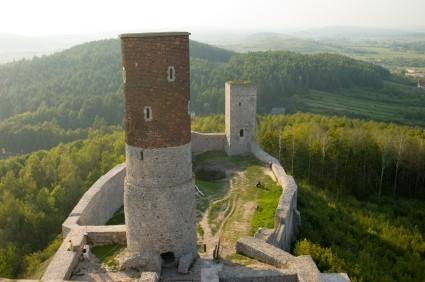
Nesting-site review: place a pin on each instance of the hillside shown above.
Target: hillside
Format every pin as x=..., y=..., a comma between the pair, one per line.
x=57, y=98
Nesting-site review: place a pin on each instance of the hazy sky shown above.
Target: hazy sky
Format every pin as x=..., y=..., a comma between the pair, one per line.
x=40, y=17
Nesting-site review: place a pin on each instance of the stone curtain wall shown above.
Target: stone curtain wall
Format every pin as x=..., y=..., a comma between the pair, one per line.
x=96, y=206
x=205, y=142
x=103, y=199
x=287, y=217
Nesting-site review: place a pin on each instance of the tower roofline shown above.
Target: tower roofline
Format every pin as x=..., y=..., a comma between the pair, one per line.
x=154, y=34
x=240, y=82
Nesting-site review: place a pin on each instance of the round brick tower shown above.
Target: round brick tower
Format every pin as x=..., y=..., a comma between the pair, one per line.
x=159, y=194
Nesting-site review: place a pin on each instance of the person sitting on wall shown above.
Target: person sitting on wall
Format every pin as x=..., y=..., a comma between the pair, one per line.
x=70, y=246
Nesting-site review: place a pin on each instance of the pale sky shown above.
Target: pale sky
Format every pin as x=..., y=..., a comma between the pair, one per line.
x=46, y=17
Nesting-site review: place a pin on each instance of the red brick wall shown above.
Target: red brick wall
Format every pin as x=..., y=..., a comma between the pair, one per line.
x=146, y=61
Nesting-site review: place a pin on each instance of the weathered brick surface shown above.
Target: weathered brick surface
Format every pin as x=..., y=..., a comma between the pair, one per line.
x=146, y=61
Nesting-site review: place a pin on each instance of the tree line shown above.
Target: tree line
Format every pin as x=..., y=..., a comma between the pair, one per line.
x=361, y=158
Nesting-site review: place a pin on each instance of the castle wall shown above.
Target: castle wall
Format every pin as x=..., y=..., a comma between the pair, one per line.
x=103, y=199
x=206, y=142
x=287, y=217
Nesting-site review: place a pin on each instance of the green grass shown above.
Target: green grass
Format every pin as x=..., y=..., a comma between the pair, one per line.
x=376, y=240
x=200, y=230
x=267, y=201
x=118, y=218
x=106, y=255
x=212, y=190
x=219, y=208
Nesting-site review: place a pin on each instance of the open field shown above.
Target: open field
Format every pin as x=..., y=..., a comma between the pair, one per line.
x=364, y=104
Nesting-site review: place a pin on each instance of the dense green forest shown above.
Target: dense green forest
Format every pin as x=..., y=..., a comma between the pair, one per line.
x=38, y=191
x=361, y=191
x=65, y=94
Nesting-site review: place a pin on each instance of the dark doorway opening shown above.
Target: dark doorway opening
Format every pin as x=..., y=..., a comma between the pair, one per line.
x=168, y=259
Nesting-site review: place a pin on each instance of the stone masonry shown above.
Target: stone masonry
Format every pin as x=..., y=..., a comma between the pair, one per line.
x=159, y=194
x=240, y=116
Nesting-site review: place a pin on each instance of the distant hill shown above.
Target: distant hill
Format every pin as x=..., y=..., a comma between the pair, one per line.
x=208, y=52
x=393, y=49
x=58, y=98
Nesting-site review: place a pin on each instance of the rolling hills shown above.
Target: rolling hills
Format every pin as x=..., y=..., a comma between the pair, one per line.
x=58, y=98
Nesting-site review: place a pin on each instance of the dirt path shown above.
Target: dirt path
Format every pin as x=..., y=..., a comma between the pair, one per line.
x=230, y=228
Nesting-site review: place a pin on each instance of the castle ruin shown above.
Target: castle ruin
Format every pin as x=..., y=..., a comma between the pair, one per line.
x=159, y=195
x=156, y=184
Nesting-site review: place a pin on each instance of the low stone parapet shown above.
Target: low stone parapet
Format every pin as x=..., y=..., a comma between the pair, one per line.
x=303, y=266
x=287, y=217
x=206, y=142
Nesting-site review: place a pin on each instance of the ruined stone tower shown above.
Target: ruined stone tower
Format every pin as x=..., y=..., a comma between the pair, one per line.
x=240, y=116
x=159, y=199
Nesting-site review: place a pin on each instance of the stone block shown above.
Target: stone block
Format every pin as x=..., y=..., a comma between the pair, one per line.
x=262, y=251
x=185, y=262
x=147, y=261
x=149, y=277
